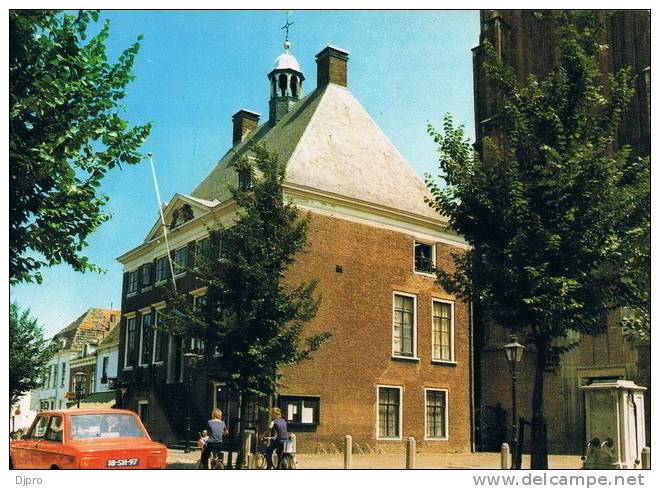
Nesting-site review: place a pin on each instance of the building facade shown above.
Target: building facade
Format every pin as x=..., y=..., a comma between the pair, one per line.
x=398, y=363
x=76, y=340
x=527, y=43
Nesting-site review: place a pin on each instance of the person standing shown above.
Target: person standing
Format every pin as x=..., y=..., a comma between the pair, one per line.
x=278, y=430
x=216, y=429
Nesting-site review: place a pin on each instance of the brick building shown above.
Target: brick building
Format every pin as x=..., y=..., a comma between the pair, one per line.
x=526, y=43
x=398, y=363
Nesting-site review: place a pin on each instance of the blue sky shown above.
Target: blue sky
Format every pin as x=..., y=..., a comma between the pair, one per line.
x=197, y=68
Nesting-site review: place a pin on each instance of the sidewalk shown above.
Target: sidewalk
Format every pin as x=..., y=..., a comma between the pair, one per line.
x=179, y=460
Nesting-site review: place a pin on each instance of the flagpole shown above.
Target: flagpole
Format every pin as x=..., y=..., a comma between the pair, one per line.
x=162, y=219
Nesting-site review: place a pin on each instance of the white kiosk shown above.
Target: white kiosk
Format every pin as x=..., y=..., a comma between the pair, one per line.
x=614, y=422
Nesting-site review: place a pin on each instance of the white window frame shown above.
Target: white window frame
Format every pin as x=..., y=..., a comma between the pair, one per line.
x=143, y=287
x=164, y=280
x=130, y=293
x=128, y=317
x=446, y=391
x=400, y=388
x=178, y=274
x=414, y=356
x=452, y=360
x=143, y=313
x=157, y=311
x=433, y=257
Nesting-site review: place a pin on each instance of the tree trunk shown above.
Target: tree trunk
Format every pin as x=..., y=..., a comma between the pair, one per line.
x=539, y=439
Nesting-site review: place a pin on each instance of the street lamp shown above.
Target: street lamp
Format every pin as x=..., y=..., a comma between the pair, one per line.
x=514, y=353
x=190, y=359
x=79, y=379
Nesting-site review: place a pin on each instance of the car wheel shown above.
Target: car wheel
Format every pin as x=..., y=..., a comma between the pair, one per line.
x=54, y=467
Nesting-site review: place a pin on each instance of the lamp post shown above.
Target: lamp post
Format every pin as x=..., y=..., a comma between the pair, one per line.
x=514, y=353
x=79, y=379
x=190, y=359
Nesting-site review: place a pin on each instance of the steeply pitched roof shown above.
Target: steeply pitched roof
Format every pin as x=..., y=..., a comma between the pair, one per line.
x=90, y=327
x=330, y=143
x=112, y=337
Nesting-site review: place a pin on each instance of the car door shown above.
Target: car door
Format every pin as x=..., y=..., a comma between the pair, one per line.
x=29, y=457
x=48, y=451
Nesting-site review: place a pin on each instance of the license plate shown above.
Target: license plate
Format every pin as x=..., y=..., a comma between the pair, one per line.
x=123, y=462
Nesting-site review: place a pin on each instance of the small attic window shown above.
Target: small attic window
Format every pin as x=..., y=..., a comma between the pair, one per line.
x=181, y=215
x=244, y=179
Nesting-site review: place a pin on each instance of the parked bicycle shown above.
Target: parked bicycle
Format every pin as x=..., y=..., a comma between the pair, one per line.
x=288, y=459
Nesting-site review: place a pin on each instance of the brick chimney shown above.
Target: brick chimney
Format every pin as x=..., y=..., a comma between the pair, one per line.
x=245, y=121
x=331, y=67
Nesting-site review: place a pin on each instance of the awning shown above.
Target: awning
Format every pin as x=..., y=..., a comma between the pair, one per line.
x=96, y=400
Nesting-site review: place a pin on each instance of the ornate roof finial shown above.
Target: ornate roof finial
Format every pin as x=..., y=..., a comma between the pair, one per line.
x=286, y=26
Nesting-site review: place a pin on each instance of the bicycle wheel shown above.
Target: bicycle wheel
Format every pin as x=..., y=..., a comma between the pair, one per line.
x=287, y=462
x=259, y=461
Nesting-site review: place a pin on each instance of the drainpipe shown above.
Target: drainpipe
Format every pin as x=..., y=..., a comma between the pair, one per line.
x=472, y=412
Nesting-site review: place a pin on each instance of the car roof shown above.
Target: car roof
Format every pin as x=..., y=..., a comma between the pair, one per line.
x=74, y=412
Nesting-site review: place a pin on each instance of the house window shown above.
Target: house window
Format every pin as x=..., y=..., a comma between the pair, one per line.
x=298, y=410
x=161, y=269
x=147, y=274
x=389, y=412
x=181, y=260
x=244, y=179
x=202, y=248
x=436, y=414
x=92, y=382
x=132, y=282
x=55, y=374
x=403, y=344
x=160, y=339
x=423, y=257
x=443, y=331
x=146, y=340
x=104, y=370
x=143, y=411
x=129, y=349
x=63, y=374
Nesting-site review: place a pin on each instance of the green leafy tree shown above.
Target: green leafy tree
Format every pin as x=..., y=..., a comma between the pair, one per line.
x=253, y=321
x=28, y=353
x=548, y=208
x=65, y=133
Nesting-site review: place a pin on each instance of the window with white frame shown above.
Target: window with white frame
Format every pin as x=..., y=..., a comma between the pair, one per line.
x=442, y=337
x=147, y=275
x=146, y=339
x=300, y=410
x=424, y=257
x=202, y=248
x=389, y=412
x=104, y=369
x=404, y=325
x=63, y=374
x=131, y=288
x=160, y=338
x=436, y=414
x=55, y=376
x=129, y=345
x=181, y=260
x=161, y=269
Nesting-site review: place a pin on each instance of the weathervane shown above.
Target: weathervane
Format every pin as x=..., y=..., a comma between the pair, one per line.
x=286, y=27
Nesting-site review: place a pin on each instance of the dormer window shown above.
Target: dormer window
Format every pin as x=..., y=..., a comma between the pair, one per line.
x=244, y=179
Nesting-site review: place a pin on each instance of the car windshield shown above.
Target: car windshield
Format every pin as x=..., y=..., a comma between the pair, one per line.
x=104, y=426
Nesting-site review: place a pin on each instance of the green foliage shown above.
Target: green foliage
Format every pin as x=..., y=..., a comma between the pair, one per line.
x=557, y=216
x=65, y=133
x=253, y=322
x=28, y=353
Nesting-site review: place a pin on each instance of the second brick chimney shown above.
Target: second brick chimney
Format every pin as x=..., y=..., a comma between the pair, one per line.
x=332, y=67
x=245, y=122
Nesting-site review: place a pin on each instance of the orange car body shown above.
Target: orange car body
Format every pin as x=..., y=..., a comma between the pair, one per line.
x=87, y=439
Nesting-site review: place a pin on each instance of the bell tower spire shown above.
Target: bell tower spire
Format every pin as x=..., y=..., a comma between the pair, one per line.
x=286, y=80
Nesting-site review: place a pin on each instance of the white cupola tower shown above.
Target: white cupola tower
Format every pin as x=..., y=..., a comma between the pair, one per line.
x=286, y=80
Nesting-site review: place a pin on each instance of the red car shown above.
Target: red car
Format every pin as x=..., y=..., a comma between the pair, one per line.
x=87, y=439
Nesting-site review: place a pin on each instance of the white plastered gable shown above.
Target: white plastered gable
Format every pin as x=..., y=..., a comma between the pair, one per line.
x=179, y=210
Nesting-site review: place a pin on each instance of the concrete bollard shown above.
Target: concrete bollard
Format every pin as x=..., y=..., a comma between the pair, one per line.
x=505, y=456
x=348, y=451
x=646, y=458
x=410, y=453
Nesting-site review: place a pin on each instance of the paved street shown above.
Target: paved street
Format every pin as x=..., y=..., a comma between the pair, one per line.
x=179, y=460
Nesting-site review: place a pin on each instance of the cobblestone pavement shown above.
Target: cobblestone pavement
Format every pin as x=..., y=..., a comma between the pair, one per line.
x=179, y=460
